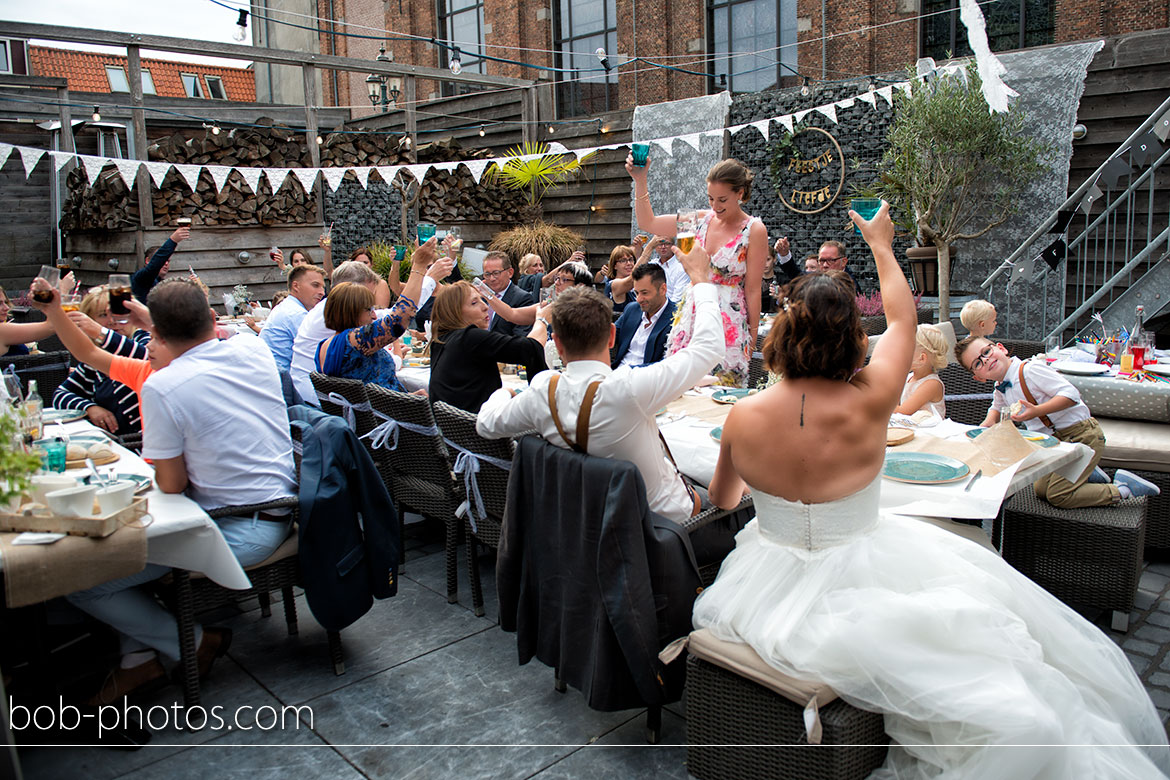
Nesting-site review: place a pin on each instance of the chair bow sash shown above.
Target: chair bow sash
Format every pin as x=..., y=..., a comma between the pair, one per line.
x=387, y=431
x=346, y=407
x=467, y=467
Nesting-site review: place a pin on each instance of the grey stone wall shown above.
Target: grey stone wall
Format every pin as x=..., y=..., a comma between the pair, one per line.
x=360, y=216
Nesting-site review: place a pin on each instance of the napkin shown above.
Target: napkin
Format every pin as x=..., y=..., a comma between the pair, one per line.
x=1004, y=447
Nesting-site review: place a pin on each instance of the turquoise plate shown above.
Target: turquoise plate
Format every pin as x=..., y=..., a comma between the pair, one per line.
x=1041, y=439
x=84, y=439
x=923, y=468
x=717, y=433
x=730, y=395
x=144, y=483
x=61, y=415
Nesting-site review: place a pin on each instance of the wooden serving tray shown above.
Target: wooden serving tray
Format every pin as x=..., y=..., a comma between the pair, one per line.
x=96, y=526
x=896, y=436
x=80, y=464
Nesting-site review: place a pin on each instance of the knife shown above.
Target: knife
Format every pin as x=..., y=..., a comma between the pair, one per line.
x=978, y=474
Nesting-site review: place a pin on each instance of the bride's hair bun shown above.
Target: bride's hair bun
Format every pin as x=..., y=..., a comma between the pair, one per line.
x=817, y=330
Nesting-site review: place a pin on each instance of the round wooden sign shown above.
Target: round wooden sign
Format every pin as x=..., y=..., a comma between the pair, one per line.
x=809, y=177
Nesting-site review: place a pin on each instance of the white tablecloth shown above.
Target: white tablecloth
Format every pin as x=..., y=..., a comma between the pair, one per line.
x=181, y=534
x=696, y=453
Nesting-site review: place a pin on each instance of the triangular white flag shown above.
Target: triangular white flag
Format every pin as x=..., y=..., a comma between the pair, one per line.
x=60, y=160
x=158, y=171
x=5, y=150
x=556, y=147
x=830, y=111
x=251, y=177
x=419, y=172
x=387, y=173
x=764, y=126
x=868, y=97
x=800, y=115
x=844, y=103
x=905, y=85
x=786, y=121
x=333, y=177
x=476, y=168
x=93, y=167
x=307, y=176
x=665, y=144
x=190, y=174
x=219, y=175
x=887, y=94
x=362, y=173
x=692, y=140
x=30, y=158
x=446, y=166
x=129, y=171
x=736, y=128
x=276, y=177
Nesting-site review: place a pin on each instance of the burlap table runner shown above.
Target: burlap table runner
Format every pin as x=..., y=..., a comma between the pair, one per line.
x=38, y=572
x=699, y=407
x=994, y=450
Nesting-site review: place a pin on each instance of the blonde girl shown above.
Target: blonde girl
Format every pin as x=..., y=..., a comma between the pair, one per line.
x=924, y=389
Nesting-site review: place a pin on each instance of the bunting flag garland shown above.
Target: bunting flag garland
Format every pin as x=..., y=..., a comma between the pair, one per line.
x=158, y=172
x=887, y=94
x=129, y=171
x=764, y=126
x=219, y=175
x=1090, y=196
x=332, y=177
x=477, y=167
x=5, y=151
x=93, y=167
x=1022, y=270
x=190, y=174
x=1145, y=149
x=60, y=159
x=868, y=97
x=829, y=111
x=1063, y=218
x=1162, y=128
x=843, y=104
x=30, y=158
x=276, y=177
x=308, y=176
x=362, y=172
x=692, y=140
x=800, y=115
x=419, y=172
x=251, y=177
x=387, y=174
x=1113, y=171
x=1054, y=253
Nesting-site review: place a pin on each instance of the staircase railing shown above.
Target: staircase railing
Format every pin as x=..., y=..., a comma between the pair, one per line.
x=1103, y=257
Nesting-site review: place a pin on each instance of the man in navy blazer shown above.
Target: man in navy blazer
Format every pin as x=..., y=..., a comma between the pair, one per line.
x=497, y=274
x=641, y=331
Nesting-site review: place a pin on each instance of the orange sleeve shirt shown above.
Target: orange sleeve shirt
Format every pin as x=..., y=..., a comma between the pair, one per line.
x=130, y=372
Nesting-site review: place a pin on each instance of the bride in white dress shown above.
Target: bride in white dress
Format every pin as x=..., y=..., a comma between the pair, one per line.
x=979, y=672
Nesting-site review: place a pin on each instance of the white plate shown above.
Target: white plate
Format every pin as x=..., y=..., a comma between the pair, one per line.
x=1158, y=368
x=1083, y=369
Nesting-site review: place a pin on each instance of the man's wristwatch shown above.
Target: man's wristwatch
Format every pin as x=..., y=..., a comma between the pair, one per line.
x=545, y=321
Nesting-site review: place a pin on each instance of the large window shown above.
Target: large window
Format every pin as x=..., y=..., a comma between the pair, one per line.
x=753, y=43
x=215, y=88
x=1011, y=24
x=116, y=75
x=462, y=24
x=191, y=85
x=583, y=27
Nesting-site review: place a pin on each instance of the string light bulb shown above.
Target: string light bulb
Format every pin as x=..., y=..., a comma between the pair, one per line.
x=406, y=141
x=241, y=31
x=320, y=140
x=97, y=115
x=603, y=58
x=551, y=130
x=456, y=64
x=872, y=86
x=481, y=131
x=805, y=90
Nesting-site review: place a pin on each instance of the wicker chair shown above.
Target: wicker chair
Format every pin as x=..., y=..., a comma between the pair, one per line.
x=49, y=369
x=193, y=594
x=1157, y=511
x=1091, y=557
x=490, y=479
x=1022, y=348
x=420, y=470
x=739, y=729
x=967, y=399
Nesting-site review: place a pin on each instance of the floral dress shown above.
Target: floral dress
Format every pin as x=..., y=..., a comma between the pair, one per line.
x=728, y=269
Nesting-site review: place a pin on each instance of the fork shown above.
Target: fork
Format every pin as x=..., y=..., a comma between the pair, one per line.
x=978, y=474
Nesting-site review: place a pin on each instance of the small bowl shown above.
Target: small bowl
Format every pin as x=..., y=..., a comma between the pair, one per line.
x=72, y=502
x=116, y=496
x=47, y=483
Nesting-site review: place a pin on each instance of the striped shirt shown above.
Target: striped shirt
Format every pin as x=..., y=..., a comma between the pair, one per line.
x=79, y=388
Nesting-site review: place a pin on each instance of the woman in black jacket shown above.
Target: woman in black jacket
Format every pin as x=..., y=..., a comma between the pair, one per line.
x=464, y=353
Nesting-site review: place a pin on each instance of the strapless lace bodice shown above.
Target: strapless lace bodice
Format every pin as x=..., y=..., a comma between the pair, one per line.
x=817, y=526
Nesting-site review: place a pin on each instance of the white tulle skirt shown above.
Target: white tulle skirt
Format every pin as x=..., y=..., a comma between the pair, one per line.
x=979, y=672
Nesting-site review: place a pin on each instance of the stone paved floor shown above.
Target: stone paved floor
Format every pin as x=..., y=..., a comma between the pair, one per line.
x=429, y=678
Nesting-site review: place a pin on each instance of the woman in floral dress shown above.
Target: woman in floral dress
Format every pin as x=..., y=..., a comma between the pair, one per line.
x=738, y=246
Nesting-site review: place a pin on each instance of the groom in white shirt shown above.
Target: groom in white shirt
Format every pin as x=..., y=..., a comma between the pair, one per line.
x=621, y=415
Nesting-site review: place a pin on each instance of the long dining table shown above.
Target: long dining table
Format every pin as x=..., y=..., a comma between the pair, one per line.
x=179, y=533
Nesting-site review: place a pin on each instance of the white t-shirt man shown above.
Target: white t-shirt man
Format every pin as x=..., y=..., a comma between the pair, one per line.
x=220, y=406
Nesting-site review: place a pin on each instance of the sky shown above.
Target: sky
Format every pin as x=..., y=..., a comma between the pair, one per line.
x=193, y=19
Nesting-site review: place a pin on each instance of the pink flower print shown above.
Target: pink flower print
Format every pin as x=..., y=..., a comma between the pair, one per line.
x=730, y=331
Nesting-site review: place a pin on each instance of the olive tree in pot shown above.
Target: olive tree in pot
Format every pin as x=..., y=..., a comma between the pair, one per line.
x=953, y=169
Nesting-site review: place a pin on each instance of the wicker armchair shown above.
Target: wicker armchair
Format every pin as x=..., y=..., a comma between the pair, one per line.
x=49, y=369
x=420, y=469
x=493, y=459
x=194, y=593
x=1091, y=557
x=967, y=399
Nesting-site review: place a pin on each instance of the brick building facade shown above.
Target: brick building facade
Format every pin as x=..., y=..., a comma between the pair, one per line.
x=818, y=40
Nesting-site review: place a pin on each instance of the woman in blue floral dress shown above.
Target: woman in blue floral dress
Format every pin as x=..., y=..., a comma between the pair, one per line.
x=738, y=246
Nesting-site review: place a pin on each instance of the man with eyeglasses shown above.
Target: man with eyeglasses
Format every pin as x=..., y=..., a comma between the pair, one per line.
x=830, y=257
x=497, y=275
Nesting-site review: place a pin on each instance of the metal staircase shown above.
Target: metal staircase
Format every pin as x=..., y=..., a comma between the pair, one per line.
x=1117, y=257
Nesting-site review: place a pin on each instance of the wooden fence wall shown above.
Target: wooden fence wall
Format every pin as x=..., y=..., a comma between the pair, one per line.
x=26, y=231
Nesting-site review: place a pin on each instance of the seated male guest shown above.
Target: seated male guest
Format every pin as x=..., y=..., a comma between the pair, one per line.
x=212, y=392
x=497, y=275
x=641, y=332
x=618, y=404
x=306, y=288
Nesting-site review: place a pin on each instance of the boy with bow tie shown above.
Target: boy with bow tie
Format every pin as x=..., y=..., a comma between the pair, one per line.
x=1046, y=402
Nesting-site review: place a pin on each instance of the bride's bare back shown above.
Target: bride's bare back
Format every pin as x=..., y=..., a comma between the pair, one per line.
x=815, y=439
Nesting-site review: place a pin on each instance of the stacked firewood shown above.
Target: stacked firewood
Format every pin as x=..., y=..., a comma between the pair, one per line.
x=446, y=196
